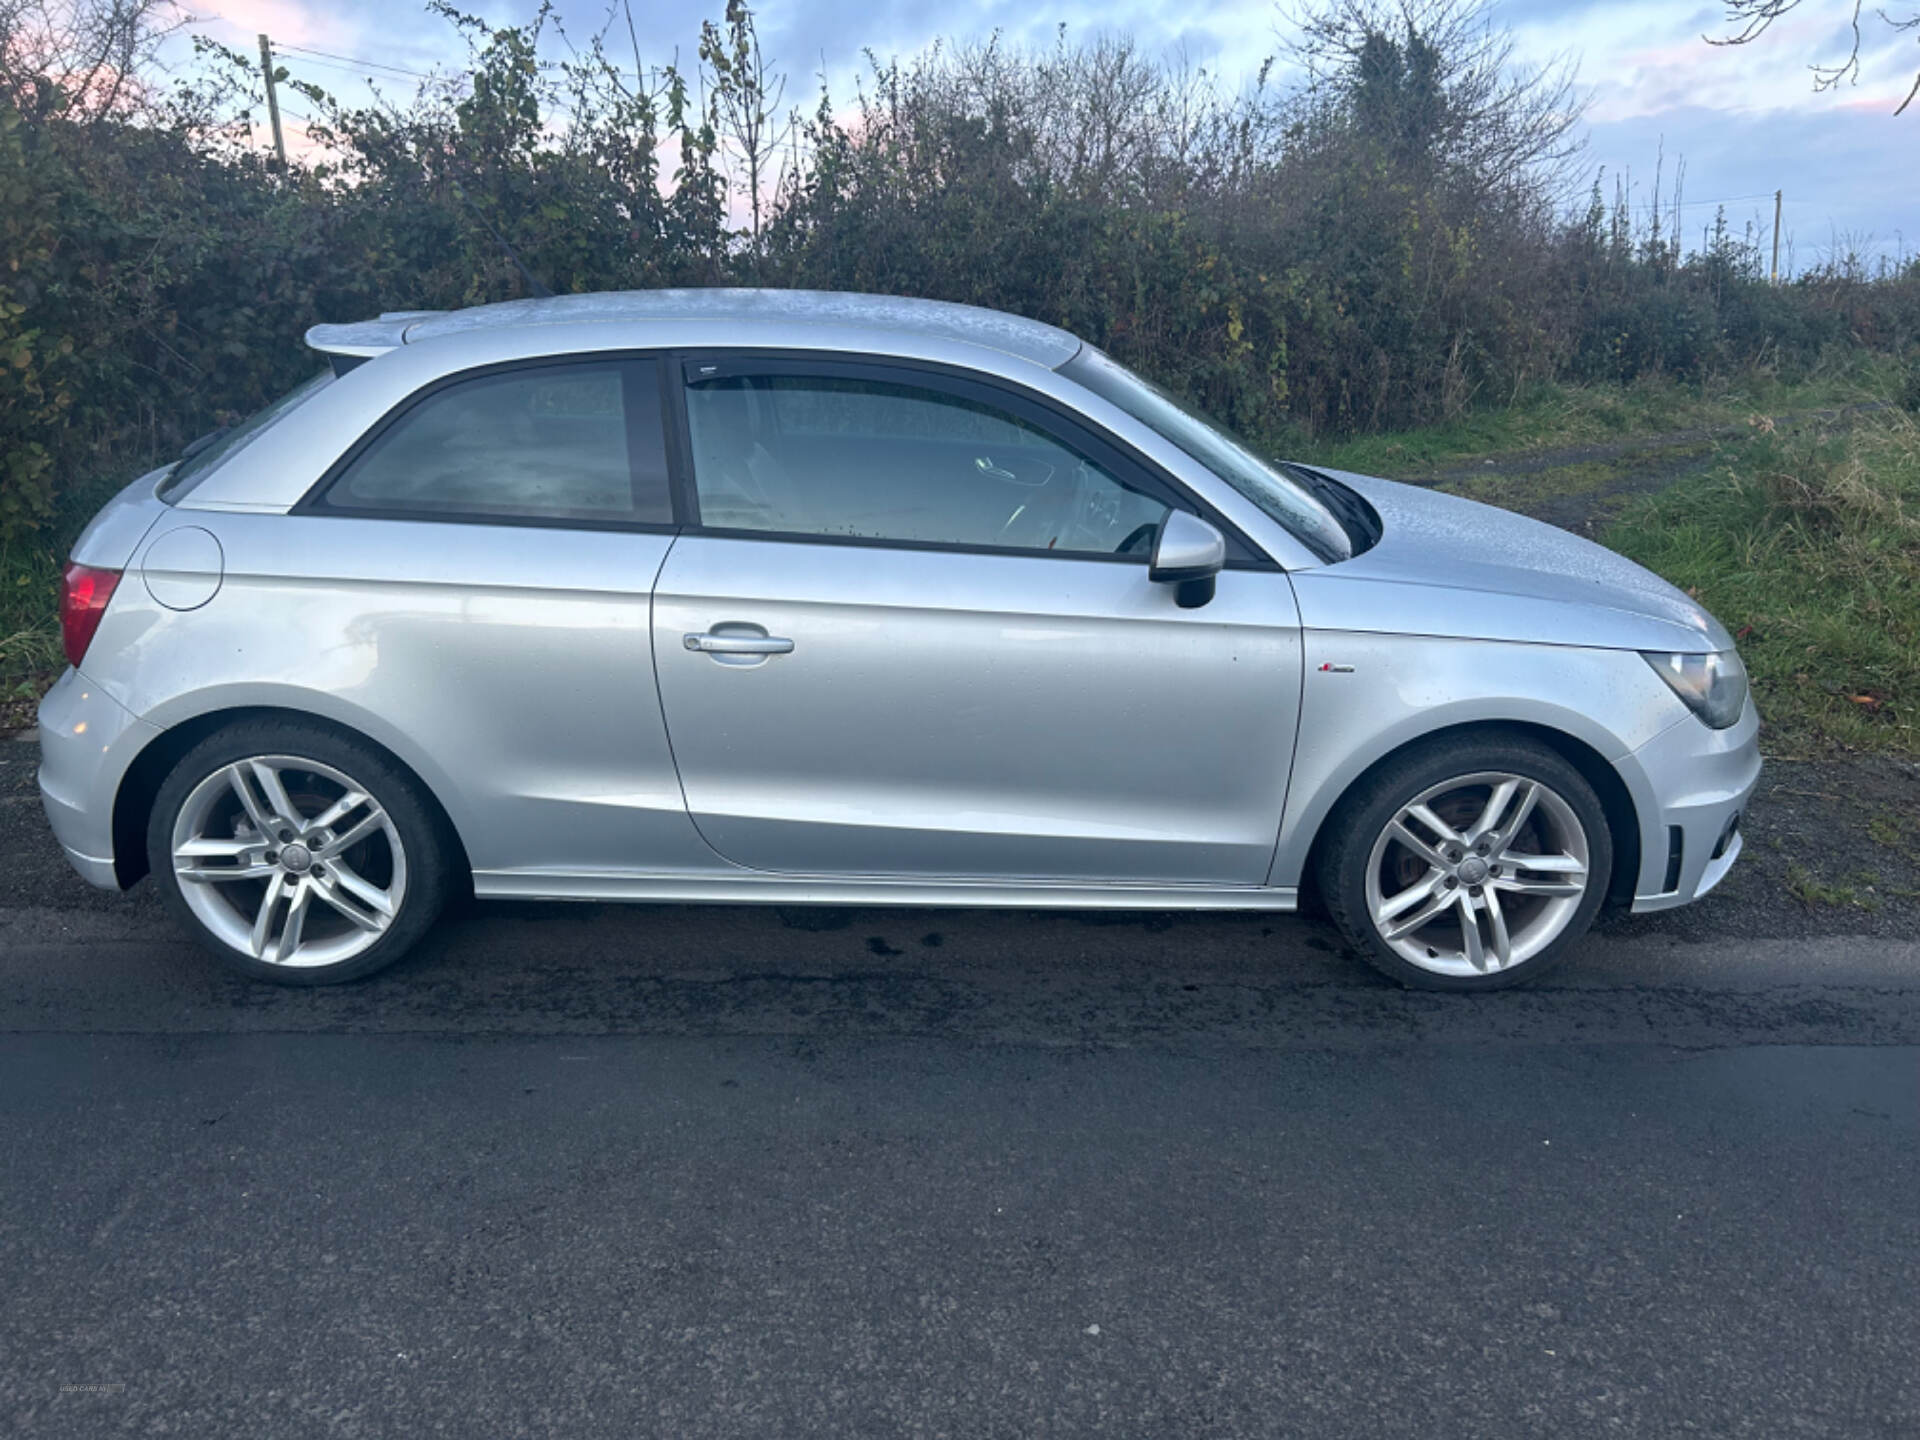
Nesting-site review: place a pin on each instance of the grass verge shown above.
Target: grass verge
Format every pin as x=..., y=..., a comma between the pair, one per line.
x=1557, y=416
x=30, y=655
x=1807, y=547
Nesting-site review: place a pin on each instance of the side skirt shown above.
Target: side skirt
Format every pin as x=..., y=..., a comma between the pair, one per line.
x=751, y=889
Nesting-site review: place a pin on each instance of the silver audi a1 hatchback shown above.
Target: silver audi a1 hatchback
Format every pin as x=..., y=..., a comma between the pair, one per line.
x=733, y=595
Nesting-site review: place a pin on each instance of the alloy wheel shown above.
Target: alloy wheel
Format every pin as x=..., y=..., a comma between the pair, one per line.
x=1478, y=873
x=289, y=861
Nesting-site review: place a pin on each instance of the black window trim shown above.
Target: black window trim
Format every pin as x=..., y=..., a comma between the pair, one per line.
x=1059, y=422
x=667, y=373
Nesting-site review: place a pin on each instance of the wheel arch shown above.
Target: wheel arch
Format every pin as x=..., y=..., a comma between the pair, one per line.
x=140, y=785
x=1616, y=800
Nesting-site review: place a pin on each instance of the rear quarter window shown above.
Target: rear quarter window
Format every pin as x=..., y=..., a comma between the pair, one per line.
x=569, y=442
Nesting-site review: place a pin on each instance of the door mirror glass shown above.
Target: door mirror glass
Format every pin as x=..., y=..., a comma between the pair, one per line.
x=1188, y=553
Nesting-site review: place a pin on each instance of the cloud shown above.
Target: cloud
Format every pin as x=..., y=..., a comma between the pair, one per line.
x=1743, y=119
x=1644, y=58
x=288, y=22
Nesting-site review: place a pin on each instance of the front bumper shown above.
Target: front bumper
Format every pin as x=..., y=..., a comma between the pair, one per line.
x=87, y=741
x=1691, y=786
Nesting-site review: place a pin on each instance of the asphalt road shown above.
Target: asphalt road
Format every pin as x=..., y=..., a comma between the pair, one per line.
x=586, y=1171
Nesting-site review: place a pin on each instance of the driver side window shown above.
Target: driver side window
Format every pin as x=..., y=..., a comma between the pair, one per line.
x=829, y=455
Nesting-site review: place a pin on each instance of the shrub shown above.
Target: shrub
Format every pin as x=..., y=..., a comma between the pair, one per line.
x=1381, y=249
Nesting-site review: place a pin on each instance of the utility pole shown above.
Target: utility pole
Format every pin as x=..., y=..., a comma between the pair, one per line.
x=1775, y=277
x=273, y=102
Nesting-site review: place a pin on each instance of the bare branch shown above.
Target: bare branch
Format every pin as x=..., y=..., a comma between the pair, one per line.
x=1753, y=18
x=87, y=56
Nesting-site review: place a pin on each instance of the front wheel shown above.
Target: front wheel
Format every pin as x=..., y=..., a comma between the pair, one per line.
x=297, y=854
x=1469, y=863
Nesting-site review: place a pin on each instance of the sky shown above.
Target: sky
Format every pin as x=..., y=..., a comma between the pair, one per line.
x=1743, y=122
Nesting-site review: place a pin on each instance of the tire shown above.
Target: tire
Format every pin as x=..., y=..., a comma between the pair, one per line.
x=1415, y=869
x=355, y=898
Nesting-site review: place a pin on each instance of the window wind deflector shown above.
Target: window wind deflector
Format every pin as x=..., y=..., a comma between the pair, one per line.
x=754, y=366
x=700, y=371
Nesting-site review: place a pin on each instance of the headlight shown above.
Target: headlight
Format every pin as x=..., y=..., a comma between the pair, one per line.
x=1713, y=686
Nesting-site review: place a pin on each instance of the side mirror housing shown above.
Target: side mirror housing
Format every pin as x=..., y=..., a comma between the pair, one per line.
x=1187, y=553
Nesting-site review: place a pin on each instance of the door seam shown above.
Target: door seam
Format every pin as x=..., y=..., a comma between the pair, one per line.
x=660, y=699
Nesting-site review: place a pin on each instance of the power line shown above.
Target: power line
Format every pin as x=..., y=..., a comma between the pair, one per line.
x=305, y=62
x=1731, y=199
x=354, y=60
x=323, y=57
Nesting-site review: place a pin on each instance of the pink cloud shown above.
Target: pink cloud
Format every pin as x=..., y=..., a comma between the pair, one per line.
x=1874, y=101
x=1647, y=62
x=286, y=22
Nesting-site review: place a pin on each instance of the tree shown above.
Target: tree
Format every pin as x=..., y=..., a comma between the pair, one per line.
x=1442, y=77
x=83, y=57
x=1748, y=20
x=744, y=106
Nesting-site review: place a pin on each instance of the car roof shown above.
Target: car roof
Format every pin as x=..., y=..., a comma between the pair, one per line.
x=882, y=314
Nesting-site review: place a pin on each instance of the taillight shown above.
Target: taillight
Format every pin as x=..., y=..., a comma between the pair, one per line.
x=84, y=593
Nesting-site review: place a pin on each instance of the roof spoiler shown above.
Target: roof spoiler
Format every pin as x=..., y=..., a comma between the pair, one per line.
x=364, y=339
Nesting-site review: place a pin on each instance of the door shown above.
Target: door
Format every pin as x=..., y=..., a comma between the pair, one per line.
x=914, y=636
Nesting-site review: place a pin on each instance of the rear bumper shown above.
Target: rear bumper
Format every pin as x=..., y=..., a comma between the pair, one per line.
x=87, y=741
x=1691, y=785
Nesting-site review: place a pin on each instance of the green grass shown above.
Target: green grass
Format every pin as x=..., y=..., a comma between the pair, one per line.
x=1553, y=417
x=1858, y=892
x=1807, y=547
x=1802, y=537
x=30, y=654
x=29, y=632
x=1890, y=828
x=1593, y=480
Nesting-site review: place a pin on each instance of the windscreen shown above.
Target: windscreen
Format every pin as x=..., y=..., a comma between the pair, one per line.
x=1305, y=518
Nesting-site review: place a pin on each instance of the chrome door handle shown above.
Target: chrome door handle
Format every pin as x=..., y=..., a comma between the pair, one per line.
x=739, y=644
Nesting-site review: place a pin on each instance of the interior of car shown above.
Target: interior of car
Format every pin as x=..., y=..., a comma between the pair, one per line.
x=814, y=455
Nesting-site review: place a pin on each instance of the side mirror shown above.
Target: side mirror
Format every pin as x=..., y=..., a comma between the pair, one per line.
x=1188, y=553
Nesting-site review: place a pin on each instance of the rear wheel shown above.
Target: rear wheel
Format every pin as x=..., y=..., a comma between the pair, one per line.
x=1469, y=863
x=296, y=853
